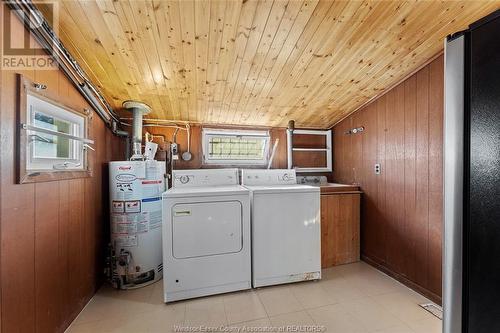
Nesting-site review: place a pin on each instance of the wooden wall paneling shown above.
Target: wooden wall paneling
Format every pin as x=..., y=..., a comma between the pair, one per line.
x=357, y=157
x=436, y=102
x=280, y=158
x=88, y=248
x=18, y=215
x=47, y=236
x=50, y=235
x=407, y=195
x=394, y=170
x=369, y=147
x=47, y=259
x=309, y=159
x=1, y=144
x=64, y=256
x=422, y=174
x=75, y=245
x=342, y=150
x=410, y=181
x=309, y=141
x=89, y=214
x=382, y=214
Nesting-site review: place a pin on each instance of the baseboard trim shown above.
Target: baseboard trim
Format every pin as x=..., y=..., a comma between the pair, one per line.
x=410, y=284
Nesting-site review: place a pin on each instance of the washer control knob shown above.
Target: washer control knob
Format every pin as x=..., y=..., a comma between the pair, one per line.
x=184, y=179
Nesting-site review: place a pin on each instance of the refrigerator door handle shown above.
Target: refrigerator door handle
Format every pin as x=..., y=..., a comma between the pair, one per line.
x=453, y=184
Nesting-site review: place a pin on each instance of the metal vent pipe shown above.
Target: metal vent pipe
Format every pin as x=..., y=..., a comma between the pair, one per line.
x=138, y=109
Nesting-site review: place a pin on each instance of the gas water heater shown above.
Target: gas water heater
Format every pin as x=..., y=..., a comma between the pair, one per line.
x=136, y=213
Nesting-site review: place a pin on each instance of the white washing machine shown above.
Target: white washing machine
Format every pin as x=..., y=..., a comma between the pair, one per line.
x=206, y=234
x=286, y=236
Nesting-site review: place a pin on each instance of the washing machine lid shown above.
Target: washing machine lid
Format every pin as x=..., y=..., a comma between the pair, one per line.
x=295, y=188
x=202, y=191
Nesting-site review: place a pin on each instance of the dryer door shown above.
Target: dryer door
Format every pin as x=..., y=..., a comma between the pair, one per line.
x=206, y=229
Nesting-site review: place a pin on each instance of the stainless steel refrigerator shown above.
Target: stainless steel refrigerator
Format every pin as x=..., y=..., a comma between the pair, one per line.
x=471, y=271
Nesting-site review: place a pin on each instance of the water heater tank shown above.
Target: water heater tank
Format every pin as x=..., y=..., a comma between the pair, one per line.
x=136, y=220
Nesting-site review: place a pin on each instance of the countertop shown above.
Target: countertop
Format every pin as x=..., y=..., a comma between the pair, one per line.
x=337, y=188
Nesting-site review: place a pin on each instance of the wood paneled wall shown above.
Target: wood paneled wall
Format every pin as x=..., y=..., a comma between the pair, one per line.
x=401, y=207
x=52, y=233
x=279, y=162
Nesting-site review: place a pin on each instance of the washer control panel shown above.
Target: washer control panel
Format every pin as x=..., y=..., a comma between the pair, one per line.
x=206, y=177
x=268, y=177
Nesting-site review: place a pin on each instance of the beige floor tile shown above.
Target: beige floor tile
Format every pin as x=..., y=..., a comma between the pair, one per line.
x=157, y=296
x=301, y=318
x=429, y=325
x=336, y=319
x=349, y=298
x=243, y=306
x=89, y=327
x=375, y=283
x=131, y=324
x=354, y=269
x=371, y=314
x=394, y=329
x=341, y=290
x=101, y=308
x=311, y=294
x=258, y=323
x=278, y=300
x=207, y=311
x=95, y=310
x=403, y=307
x=168, y=316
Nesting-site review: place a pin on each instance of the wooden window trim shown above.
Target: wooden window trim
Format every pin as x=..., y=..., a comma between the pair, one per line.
x=23, y=176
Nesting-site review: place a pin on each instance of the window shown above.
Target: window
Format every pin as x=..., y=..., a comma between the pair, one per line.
x=52, y=139
x=47, y=151
x=235, y=147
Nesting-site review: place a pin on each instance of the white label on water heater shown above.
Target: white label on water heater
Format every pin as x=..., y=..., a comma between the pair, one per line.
x=133, y=206
x=130, y=223
x=155, y=219
x=126, y=240
x=118, y=207
x=124, y=228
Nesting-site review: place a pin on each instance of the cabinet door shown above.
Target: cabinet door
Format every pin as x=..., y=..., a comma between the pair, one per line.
x=339, y=229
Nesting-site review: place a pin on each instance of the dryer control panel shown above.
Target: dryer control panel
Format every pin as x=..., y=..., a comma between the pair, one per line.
x=205, y=177
x=268, y=177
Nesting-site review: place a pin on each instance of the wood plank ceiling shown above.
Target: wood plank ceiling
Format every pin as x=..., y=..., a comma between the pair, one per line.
x=256, y=62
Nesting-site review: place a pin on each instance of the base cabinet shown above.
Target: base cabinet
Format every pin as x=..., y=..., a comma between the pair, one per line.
x=339, y=229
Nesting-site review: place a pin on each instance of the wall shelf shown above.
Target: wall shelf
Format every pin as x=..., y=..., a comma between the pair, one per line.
x=310, y=150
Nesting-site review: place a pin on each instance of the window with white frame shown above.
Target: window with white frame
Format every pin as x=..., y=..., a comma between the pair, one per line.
x=244, y=147
x=58, y=151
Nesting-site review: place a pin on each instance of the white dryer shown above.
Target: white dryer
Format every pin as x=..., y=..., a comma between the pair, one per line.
x=286, y=236
x=206, y=234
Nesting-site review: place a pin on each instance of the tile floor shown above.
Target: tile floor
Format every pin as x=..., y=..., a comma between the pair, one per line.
x=349, y=298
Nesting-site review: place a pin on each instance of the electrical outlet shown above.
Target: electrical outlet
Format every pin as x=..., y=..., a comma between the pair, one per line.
x=377, y=168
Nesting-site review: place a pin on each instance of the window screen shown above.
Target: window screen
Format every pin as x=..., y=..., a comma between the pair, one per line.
x=49, y=151
x=235, y=147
